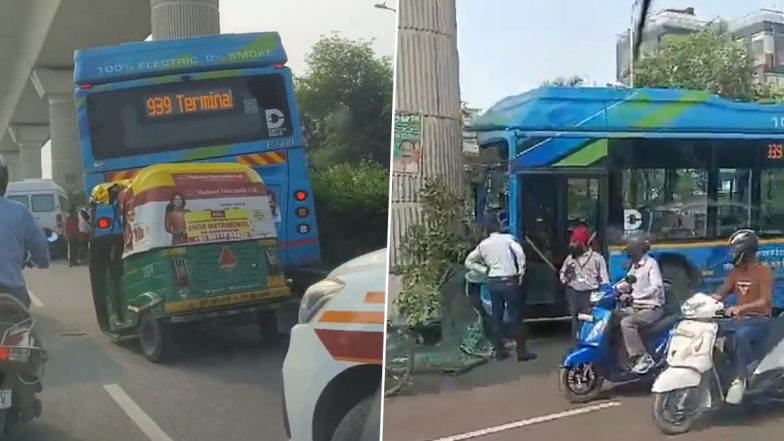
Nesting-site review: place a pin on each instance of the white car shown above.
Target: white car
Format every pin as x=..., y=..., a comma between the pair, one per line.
x=333, y=369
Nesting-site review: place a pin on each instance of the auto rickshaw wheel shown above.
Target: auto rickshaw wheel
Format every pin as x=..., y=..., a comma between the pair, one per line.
x=268, y=327
x=155, y=338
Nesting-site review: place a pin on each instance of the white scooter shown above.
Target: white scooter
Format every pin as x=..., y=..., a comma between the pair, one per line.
x=701, y=366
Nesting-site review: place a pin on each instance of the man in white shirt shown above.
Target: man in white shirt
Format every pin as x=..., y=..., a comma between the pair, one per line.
x=502, y=259
x=84, y=234
x=644, y=289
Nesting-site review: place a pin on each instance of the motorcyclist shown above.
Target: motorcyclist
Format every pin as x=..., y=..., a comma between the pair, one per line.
x=752, y=282
x=20, y=236
x=643, y=289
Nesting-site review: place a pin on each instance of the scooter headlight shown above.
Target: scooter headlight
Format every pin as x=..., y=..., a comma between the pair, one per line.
x=596, y=296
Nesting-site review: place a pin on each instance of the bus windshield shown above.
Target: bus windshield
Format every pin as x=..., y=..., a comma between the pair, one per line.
x=188, y=114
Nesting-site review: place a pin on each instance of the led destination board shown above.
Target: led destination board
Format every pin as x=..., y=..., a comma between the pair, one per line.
x=174, y=104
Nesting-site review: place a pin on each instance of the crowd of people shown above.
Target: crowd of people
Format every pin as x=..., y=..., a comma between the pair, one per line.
x=502, y=261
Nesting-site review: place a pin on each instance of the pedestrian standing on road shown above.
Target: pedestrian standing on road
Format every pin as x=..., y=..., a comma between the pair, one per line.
x=583, y=272
x=502, y=259
x=72, y=236
x=84, y=234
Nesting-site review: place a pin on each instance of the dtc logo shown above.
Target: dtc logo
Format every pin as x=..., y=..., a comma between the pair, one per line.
x=276, y=121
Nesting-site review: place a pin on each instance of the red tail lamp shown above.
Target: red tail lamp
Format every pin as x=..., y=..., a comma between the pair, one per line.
x=104, y=223
x=300, y=195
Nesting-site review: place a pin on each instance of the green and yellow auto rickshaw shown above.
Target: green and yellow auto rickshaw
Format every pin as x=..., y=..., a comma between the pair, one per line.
x=198, y=243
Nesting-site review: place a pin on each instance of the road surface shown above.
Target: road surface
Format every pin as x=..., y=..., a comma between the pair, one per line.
x=225, y=386
x=510, y=401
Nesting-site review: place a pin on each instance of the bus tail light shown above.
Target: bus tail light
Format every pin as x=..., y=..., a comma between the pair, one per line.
x=104, y=223
x=301, y=195
x=280, y=66
x=86, y=86
x=303, y=228
x=302, y=212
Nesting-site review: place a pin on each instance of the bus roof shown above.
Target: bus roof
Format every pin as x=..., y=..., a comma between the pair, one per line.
x=614, y=112
x=144, y=59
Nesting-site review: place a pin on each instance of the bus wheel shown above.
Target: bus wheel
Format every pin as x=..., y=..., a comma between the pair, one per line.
x=155, y=338
x=679, y=280
x=268, y=327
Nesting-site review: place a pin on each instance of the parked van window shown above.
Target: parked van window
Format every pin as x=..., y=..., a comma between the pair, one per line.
x=42, y=203
x=21, y=199
x=64, y=204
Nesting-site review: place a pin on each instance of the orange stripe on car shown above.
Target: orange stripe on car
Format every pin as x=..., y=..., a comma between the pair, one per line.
x=376, y=298
x=353, y=346
x=357, y=317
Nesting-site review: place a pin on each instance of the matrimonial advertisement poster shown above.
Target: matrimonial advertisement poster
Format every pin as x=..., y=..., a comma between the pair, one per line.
x=199, y=208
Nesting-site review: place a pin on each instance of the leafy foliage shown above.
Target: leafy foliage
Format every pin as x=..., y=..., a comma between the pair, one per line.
x=444, y=237
x=345, y=99
x=710, y=60
x=352, y=206
x=573, y=81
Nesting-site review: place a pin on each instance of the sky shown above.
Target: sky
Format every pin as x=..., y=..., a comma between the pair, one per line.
x=300, y=23
x=510, y=46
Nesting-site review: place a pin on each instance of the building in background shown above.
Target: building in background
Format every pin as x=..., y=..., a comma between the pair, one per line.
x=762, y=30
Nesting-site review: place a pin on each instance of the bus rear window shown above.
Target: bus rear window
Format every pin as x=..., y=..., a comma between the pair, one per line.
x=21, y=199
x=42, y=203
x=189, y=114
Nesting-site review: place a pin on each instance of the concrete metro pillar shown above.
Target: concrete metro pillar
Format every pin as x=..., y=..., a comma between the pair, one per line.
x=174, y=19
x=12, y=161
x=56, y=86
x=67, y=168
x=30, y=160
x=427, y=84
x=29, y=138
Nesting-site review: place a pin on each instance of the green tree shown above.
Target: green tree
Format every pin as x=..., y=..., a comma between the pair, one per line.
x=352, y=206
x=710, y=60
x=345, y=98
x=573, y=81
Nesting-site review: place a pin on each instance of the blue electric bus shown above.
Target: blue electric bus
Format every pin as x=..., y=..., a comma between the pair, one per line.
x=223, y=98
x=686, y=167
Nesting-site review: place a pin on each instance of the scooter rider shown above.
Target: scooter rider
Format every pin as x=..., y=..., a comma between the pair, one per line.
x=20, y=235
x=646, y=295
x=752, y=282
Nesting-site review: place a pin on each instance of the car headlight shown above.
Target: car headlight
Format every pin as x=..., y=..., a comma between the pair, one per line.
x=316, y=297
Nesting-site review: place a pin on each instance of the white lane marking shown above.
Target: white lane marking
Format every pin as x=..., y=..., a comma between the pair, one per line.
x=529, y=422
x=136, y=414
x=35, y=300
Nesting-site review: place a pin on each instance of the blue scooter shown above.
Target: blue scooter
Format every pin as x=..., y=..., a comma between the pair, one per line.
x=600, y=354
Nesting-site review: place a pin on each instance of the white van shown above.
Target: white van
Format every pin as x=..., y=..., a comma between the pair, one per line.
x=46, y=200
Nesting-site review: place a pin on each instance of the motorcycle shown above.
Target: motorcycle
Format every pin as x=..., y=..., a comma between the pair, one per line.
x=701, y=366
x=22, y=363
x=600, y=356
x=22, y=360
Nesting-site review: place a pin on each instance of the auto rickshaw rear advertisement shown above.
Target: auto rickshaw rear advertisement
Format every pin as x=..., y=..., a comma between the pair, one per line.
x=194, y=208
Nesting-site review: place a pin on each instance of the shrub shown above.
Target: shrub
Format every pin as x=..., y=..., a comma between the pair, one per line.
x=352, y=205
x=445, y=236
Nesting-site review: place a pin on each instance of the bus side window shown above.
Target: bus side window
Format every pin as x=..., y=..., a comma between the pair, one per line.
x=771, y=220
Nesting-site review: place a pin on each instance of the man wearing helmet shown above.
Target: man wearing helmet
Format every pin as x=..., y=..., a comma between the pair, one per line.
x=643, y=289
x=20, y=235
x=752, y=282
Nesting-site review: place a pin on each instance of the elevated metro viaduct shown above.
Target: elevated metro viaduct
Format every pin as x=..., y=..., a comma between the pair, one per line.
x=37, y=42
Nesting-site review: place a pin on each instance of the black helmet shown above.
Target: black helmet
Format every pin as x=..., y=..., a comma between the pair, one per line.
x=745, y=244
x=637, y=244
x=3, y=176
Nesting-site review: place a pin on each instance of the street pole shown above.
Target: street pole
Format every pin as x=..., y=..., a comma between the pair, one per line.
x=631, y=43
